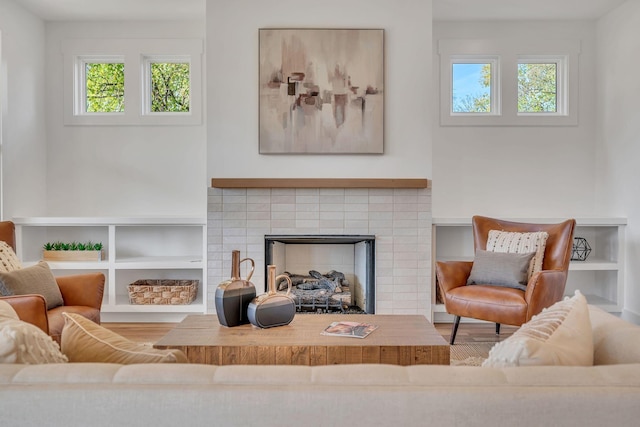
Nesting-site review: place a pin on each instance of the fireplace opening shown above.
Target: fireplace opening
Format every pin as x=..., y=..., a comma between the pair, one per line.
x=330, y=273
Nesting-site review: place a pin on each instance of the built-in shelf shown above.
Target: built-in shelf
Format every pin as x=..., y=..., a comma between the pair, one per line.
x=320, y=183
x=135, y=248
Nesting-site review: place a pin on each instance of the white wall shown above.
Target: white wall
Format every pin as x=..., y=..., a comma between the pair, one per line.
x=120, y=170
x=619, y=133
x=22, y=94
x=518, y=171
x=232, y=55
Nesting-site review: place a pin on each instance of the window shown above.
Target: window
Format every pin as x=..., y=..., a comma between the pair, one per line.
x=167, y=85
x=118, y=81
x=102, y=83
x=473, y=87
x=508, y=82
x=541, y=85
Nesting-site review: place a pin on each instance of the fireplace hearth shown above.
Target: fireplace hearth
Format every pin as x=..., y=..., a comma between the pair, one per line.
x=330, y=273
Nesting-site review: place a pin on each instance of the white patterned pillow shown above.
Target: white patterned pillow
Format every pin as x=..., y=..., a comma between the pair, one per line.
x=8, y=259
x=520, y=243
x=559, y=335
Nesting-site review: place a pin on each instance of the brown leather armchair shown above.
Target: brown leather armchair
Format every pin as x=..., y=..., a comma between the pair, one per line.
x=81, y=293
x=503, y=305
x=30, y=308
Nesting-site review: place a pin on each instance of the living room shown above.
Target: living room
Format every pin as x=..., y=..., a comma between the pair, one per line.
x=132, y=171
x=129, y=180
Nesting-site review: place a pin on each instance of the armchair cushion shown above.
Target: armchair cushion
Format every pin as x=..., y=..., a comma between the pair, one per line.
x=517, y=242
x=500, y=269
x=37, y=279
x=559, y=335
x=22, y=342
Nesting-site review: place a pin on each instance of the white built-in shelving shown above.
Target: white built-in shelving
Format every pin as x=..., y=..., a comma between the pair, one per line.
x=134, y=248
x=600, y=277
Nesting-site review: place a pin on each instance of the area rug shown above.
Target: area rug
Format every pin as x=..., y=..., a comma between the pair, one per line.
x=470, y=354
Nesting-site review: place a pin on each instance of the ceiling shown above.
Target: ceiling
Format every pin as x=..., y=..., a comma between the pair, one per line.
x=443, y=10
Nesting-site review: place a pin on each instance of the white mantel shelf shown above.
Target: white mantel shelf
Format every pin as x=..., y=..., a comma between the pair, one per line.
x=320, y=183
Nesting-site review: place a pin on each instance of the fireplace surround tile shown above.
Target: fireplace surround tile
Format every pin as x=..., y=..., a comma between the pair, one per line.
x=400, y=219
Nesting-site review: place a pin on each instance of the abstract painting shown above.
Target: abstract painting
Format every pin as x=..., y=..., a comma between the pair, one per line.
x=321, y=91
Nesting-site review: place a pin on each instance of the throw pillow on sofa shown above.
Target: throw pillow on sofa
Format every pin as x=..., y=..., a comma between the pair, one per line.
x=7, y=311
x=615, y=340
x=559, y=335
x=8, y=258
x=37, y=279
x=22, y=342
x=85, y=341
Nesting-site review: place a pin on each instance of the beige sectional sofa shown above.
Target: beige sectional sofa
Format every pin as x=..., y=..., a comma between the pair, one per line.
x=89, y=394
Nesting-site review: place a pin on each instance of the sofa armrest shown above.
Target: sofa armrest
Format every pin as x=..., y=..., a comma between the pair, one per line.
x=82, y=289
x=31, y=309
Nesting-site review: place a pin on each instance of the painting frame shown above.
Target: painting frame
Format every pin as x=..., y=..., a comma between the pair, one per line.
x=321, y=91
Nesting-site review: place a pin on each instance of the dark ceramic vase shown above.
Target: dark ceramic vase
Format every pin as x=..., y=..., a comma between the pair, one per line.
x=234, y=295
x=273, y=308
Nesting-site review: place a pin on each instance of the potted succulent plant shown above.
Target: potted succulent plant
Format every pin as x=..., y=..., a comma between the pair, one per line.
x=74, y=251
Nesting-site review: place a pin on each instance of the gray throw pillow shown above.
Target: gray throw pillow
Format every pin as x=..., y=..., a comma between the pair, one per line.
x=500, y=269
x=37, y=279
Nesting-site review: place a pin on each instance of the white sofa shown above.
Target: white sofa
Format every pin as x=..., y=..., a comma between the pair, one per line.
x=88, y=394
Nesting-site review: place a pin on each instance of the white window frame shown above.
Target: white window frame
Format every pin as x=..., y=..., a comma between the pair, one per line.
x=510, y=53
x=147, y=60
x=561, y=82
x=494, y=92
x=80, y=82
x=134, y=52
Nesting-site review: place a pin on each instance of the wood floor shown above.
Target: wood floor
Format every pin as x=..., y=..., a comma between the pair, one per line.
x=468, y=333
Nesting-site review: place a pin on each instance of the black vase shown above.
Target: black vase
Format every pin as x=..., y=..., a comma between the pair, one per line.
x=234, y=295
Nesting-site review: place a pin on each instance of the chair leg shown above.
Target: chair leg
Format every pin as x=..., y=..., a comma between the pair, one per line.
x=497, y=328
x=454, y=329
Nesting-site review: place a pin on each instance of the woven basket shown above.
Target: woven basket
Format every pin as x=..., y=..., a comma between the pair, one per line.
x=163, y=292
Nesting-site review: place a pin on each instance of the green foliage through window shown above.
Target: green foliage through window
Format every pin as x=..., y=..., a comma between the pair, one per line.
x=170, y=87
x=537, y=88
x=104, y=87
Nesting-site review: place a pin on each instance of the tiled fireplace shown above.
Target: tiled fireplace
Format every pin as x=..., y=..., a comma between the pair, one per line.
x=399, y=218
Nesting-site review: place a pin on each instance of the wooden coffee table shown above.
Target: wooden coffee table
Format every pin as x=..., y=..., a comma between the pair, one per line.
x=399, y=340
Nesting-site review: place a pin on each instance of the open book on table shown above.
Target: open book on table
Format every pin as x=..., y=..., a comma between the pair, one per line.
x=349, y=329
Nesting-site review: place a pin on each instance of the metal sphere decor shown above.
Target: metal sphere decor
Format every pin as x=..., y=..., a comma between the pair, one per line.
x=581, y=249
